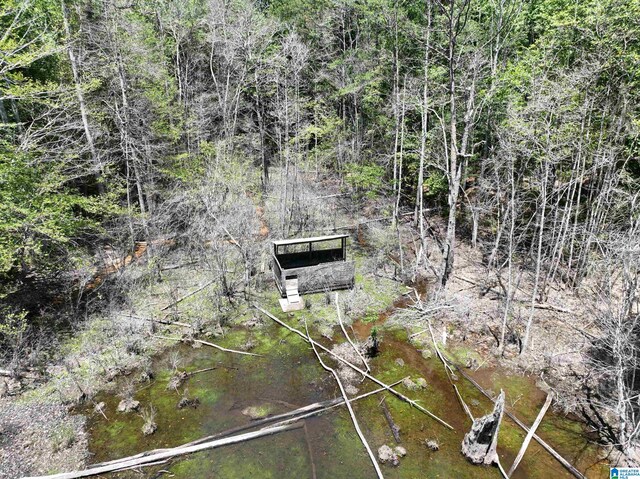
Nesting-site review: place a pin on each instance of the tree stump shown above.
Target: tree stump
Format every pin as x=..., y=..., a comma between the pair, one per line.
x=479, y=444
x=128, y=405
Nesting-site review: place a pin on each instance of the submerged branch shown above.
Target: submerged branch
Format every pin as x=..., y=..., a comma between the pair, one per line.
x=347, y=402
x=361, y=371
x=206, y=343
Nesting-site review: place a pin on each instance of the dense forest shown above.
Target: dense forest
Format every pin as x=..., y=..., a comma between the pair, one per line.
x=508, y=128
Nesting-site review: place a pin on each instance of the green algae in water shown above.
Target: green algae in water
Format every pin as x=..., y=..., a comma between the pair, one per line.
x=289, y=376
x=269, y=457
x=288, y=373
x=439, y=398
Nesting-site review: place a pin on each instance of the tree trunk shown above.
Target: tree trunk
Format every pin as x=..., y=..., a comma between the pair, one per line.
x=419, y=213
x=80, y=96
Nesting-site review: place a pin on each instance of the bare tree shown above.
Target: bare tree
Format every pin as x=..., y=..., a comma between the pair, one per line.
x=80, y=95
x=615, y=358
x=419, y=210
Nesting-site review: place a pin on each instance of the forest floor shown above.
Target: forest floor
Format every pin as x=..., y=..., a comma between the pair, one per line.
x=39, y=434
x=557, y=352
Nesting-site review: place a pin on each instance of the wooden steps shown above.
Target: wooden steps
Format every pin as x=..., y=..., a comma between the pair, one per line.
x=293, y=301
x=291, y=288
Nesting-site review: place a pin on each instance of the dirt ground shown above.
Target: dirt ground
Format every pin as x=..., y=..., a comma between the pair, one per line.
x=557, y=351
x=39, y=437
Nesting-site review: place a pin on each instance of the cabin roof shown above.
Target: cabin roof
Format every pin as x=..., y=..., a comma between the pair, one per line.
x=314, y=239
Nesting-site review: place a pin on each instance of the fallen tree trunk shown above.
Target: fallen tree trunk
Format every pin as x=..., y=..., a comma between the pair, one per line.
x=128, y=463
x=449, y=372
x=530, y=434
x=289, y=417
x=310, y=450
x=395, y=429
x=357, y=369
x=139, y=468
x=376, y=466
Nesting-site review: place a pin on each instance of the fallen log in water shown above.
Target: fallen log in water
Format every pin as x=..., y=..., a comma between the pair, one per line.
x=137, y=461
x=207, y=343
x=395, y=430
x=310, y=450
x=449, y=371
x=530, y=434
x=357, y=369
x=284, y=419
x=376, y=466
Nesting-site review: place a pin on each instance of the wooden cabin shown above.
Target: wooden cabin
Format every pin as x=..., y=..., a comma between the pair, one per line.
x=312, y=265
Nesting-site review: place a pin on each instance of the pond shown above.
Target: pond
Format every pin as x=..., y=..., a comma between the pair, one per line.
x=288, y=375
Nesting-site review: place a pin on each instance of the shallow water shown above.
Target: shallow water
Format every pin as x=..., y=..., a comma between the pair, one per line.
x=567, y=436
x=289, y=376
